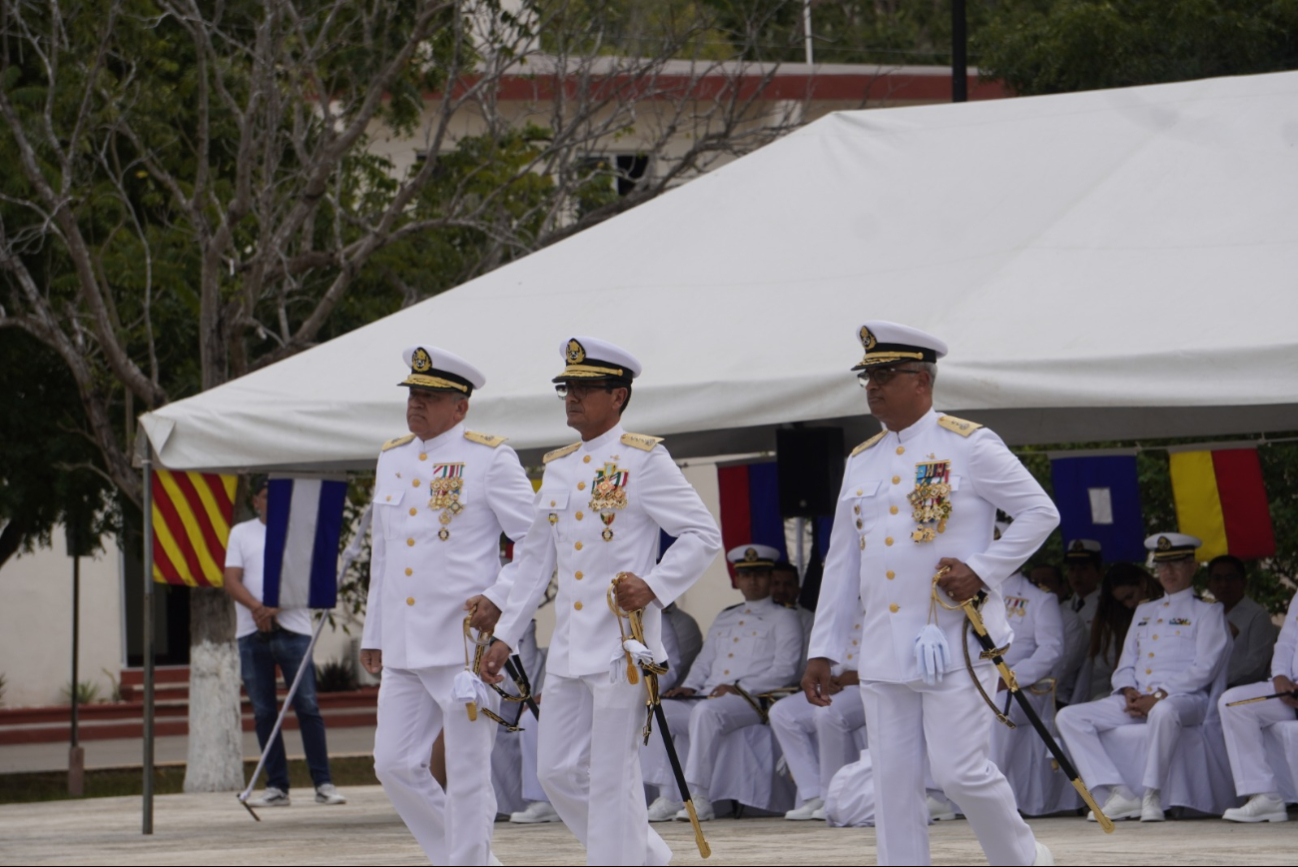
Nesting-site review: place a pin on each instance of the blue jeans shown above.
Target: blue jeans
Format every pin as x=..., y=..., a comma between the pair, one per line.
x=259, y=653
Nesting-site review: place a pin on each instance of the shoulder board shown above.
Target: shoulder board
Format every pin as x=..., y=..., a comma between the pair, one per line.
x=559, y=453
x=485, y=439
x=399, y=441
x=871, y=441
x=958, y=425
x=641, y=441
x=732, y=607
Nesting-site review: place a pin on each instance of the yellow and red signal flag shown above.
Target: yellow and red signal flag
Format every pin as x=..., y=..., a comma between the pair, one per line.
x=1220, y=496
x=191, y=527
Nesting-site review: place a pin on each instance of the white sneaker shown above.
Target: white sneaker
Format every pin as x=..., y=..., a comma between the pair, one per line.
x=537, y=813
x=328, y=794
x=1044, y=858
x=1117, y=808
x=702, y=808
x=939, y=811
x=664, y=809
x=819, y=815
x=1151, y=807
x=1260, y=808
x=271, y=797
x=807, y=811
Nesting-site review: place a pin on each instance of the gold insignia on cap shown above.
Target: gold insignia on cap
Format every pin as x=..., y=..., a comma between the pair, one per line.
x=1078, y=546
x=421, y=361
x=867, y=339
x=750, y=555
x=1164, y=543
x=576, y=352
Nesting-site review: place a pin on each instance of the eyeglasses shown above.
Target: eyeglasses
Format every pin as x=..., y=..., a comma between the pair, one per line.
x=882, y=376
x=563, y=389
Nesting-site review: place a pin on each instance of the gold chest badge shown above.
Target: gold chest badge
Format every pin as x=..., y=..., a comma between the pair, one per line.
x=446, y=487
x=608, y=495
x=931, y=499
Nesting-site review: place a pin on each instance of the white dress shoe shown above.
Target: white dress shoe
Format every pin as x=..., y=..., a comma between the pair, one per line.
x=537, y=813
x=1117, y=808
x=664, y=809
x=1260, y=808
x=807, y=811
x=702, y=808
x=1151, y=807
x=819, y=815
x=939, y=811
x=1044, y=858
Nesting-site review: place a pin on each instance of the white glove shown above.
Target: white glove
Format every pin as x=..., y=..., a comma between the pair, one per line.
x=931, y=654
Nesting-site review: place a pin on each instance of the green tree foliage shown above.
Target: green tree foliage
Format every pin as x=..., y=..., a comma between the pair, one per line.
x=1086, y=44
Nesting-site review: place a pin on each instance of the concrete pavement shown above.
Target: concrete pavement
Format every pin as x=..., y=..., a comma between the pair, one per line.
x=214, y=829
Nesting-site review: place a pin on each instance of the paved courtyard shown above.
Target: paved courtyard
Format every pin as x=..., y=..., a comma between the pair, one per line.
x=214, y=829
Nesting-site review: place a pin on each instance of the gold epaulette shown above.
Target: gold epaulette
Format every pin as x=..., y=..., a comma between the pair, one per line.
x=559, y=453
x=871, y=441
x=399, y=441
x=958, y=425
x=640, y=441
x=485, y=439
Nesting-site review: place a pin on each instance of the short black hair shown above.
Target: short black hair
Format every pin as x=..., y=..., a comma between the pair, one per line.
x=1230, y=560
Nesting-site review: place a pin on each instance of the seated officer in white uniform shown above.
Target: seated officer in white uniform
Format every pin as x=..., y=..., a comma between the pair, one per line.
x=785, y=586
x=1034, y=655
x=1173, y=652
x=1076, y=638
x=1243, y=725
x=918, y=498
x=442, y=498
x=1253, y=634
x=751, y=648
x=1084, y=561
x=818, y=741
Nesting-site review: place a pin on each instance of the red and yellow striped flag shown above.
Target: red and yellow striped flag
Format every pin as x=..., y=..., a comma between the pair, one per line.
x=191, y=526
x=1221, y=498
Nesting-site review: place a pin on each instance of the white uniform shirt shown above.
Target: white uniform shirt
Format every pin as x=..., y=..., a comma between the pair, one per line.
x=567, y=534
x=682, y=642
x=755, y=644
x=1176, y=644
x=1038, y=630
x=246, y=550
x=420, y=581
x=872, y=552
x=1250, y=652
x=1284, y=661
x=1077, y=641
x=1086, y=610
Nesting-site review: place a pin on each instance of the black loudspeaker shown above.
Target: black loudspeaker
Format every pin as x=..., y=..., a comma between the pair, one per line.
x=810, y=470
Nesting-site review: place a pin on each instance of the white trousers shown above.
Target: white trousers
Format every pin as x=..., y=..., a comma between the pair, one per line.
x=528, y=743
x=415, y=705
x=817, y=741
x=1242, y=727
x=697, y=727
x=952, y=718
x=588, y=764
x=1081, y=725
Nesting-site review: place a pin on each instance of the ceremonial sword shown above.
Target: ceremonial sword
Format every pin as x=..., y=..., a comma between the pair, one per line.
x=992, y=652
x=651, y=671
x=1293, y=693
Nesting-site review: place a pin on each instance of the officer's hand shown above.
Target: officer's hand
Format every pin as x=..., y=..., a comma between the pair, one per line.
x=264, y=617
x=1284, y=684
x=679, y=690
x=1143, y=705
x=485, y=613
x=493, y=661
x=960, y=582
x=633, y=593
x=1130, y=695
x=849, y=678
x=816, y=682
x=372, y=659
x=723, y=689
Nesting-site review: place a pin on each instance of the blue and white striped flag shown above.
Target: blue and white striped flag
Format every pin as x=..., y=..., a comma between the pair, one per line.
x=304, y=519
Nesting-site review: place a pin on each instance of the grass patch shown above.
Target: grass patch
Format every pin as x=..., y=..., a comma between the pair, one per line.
x=167, y=780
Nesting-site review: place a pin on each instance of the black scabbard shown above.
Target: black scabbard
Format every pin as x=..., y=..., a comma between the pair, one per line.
x=518, y=674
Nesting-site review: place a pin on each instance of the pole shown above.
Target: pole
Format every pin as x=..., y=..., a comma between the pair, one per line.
x=800, y=525
x=147, y=818
x=806, y=30
x=76, y=755
x=959, y=53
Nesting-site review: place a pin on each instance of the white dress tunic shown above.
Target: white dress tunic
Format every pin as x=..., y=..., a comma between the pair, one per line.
x=588, y=532
x=873, y=554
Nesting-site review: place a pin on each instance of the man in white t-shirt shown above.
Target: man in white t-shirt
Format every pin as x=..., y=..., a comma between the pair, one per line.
x=268, y=637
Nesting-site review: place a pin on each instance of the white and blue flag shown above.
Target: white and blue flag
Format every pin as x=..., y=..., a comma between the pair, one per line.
x=304, y=519
x=1098, y=495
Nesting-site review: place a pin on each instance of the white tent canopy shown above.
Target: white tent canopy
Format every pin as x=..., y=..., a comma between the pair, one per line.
x=1104, y=265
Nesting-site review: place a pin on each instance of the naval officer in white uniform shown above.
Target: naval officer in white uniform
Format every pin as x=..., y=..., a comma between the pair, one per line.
x=1243, y=726
x=1173, y=652
x=442, y=498
x=598, y=514
x=751, y=648
x=918, y=497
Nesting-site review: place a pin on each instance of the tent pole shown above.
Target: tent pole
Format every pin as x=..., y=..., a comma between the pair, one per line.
x=148, y=640
x=959, y=53
x=806, y=30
